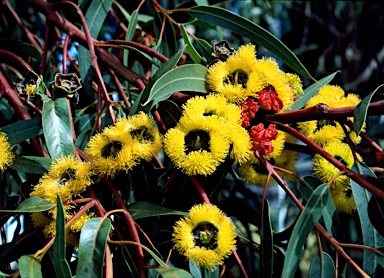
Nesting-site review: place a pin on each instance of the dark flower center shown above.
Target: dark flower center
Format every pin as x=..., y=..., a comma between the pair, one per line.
x=111, y=149
x=197, y=140
x=142, y=134
x=68, y=174
x=237, y=77
x=205, y=235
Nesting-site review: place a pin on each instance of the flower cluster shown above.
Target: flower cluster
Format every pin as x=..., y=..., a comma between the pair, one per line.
x=68, y=177
x=7, y=155
x=331, y=136
x=120, y=147
x=205, y=236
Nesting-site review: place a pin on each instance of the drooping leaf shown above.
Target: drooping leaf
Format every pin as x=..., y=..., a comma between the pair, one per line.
x=94, y=17
x=238, y=24
x=33, y=204
x=195, y=270
x=322, y=266
x=376, y=214
x=30, y=267
x=22, y=130
x=195, y=56
x=130, y=32
x=93, y=240
x=266, y=242
x=60, y=263
x=370, y=236
x=31, y=164
x=167, y=66
x=311, y=91
x=183, y=78
x=142, y=209
x=57, y=128
x=305, y=223
x=360, y=112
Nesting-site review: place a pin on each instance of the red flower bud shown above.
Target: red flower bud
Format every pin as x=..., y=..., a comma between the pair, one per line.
x=262, y=138
x=248, y=111
x=269, y=100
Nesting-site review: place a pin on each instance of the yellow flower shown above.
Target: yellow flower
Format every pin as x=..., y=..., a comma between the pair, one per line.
x=7, y=156
x=111, y=153
x=197, y=146
x=67, y=177
x=278, y=145
x=340, y=189
x=30, y=90
x=230, y=78
x=295, y=82
x=205, y=236
x=146, y=139
x=321, y=132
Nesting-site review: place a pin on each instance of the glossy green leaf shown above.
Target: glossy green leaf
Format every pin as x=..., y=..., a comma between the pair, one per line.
x=33, y=204
x=144, y=209
x=22, y=130
x=29, y=267
x=238, y=24
x=376, y=214
x=360, y=112
x=205, y=49
x=93, y=240
x=129, y=35
x=94, y=17
x=173, y=272
x=60, y=263
x=266, y=245
x=322, y=266
x=195, y=56
x=57, y=128
x=183, y=78
x=305, y=223
x=311, y=91
x=31, y=164
x=195, y=270
x=166, y=67
x=370, y=236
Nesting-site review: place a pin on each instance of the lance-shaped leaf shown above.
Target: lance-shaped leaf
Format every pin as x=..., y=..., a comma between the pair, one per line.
x=266, y=242
x=93, y=240
x=33, y=204
x=311, y=91
x=370, y=236
x=322, y=266
x=195, y=56
x=240, y=25
x=23, y=130
x=31, y=164
x=360, y=112
x=30, y=267
x=57, y=128
x=144, y=209
x=60, y=263
x=183, y=78
x=305, y=223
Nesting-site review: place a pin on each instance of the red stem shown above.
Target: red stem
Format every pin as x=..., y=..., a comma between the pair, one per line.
x=200, y=189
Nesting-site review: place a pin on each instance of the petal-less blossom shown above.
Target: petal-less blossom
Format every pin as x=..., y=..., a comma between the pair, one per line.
x=67, y=177
x=206, y=236
x=197, y=146
x=231, y=78
x=295, y=83
x=7, y=156
x=340, y=189
x=146, y=138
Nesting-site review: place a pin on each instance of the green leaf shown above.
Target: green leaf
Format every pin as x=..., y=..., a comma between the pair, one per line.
x=60, y=263
x=31, y=164
x=183, y=78
x=195, y=270
x=360, y=112
x=170, y=64
x=195, y=56
x=322, y=266
x=376, y=214
x=29, y=267
x=238, y=24
x=370, y=236
x=305, y=223
x=266, y=262
x=93, y=240
x=311, y=91
x=173, y=272
x=33, y=204
x=57, y=128
x=94, y=17
x=23, y=130
x=130, y=32
x=144, y=209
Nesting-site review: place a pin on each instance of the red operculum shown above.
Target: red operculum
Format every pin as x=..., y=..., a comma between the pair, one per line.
x=269, y=100
x=262, y=138
x=248, y=111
